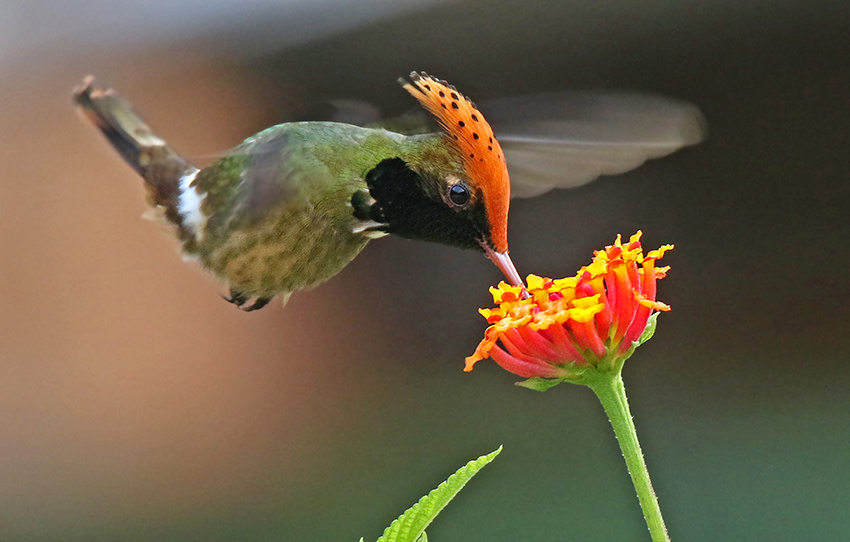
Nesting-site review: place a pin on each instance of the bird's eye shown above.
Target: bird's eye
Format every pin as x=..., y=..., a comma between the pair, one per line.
x=459, y=194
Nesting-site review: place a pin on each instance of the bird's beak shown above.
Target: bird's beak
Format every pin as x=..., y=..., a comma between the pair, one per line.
x=504, y=263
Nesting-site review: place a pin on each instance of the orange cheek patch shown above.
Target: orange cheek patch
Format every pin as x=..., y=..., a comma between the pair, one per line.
x=474, y=140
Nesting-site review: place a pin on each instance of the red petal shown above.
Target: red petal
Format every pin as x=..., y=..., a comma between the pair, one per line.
x=521, y=367
x=636, y=328
x=565, y=344
x=537, y=346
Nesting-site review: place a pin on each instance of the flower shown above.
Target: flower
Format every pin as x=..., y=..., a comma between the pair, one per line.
x=593, y=319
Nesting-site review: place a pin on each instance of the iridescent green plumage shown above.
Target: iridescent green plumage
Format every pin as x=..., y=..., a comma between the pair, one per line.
x=278, y=209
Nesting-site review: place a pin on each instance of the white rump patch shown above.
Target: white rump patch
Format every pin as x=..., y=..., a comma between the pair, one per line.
x=189, y=206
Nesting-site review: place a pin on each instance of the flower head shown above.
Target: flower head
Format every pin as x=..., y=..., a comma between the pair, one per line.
x=592, y=319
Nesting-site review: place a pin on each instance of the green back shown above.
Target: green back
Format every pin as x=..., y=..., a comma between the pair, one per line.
x=278, y=205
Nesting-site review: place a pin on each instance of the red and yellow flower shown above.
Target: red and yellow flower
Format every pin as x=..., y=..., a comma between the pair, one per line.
x=594, y=317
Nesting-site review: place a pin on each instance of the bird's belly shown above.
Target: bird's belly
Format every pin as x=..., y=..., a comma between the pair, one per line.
x=282, y=256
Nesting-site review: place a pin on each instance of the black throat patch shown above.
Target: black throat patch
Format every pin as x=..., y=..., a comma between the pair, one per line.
x=403, y=202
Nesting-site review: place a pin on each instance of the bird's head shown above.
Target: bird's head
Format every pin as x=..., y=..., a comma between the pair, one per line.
x=456, y=191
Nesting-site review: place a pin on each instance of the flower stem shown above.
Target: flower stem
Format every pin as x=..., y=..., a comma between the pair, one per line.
x=612, y=394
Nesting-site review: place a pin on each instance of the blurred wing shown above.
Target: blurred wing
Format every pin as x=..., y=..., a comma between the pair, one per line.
x=567, y=139
x=562, y=139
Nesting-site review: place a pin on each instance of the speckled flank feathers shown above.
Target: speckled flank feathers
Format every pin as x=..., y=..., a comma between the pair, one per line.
x=473, y=137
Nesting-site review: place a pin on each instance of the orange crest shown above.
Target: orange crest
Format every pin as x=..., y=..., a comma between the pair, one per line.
x=482, y=155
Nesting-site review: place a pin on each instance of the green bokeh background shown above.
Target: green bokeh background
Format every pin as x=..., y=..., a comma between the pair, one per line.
x=135, y=405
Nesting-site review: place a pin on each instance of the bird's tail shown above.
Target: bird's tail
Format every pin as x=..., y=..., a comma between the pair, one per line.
x=156, y=161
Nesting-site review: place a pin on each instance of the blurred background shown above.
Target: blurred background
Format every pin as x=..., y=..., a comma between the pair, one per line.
x=135, y=404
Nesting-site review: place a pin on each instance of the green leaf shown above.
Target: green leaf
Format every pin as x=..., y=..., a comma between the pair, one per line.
x=537, y=383
x=410, y=526
x=649, y=330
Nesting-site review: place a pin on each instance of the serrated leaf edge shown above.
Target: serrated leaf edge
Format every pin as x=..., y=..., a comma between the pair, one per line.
x=409, y=526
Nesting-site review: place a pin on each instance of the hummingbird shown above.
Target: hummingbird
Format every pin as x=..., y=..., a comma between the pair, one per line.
x=291, y=206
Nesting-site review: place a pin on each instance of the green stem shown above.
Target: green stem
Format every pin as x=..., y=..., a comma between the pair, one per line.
x=612, y=394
